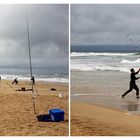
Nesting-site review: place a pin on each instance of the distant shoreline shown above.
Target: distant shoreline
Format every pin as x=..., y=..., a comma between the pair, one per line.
x=22, y=78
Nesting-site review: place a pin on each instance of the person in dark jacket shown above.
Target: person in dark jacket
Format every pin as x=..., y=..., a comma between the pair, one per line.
x=133, y=85
x=15, y=81
x=33, y=80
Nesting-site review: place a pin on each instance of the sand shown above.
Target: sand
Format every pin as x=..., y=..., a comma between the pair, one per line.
x=97, y=108
x=94, y=120
x=16, y=109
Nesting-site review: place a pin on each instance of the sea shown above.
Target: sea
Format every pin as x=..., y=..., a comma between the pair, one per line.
x=46, y=74
x=101, y=74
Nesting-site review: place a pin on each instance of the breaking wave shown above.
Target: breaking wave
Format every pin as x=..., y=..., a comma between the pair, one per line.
x=75, y=54
x=129, y=61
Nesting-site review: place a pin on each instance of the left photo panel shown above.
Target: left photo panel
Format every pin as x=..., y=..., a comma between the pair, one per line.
x=34, y=70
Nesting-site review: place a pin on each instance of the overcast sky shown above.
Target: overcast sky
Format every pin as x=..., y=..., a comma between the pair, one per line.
x=105, y=24
x=48, y=27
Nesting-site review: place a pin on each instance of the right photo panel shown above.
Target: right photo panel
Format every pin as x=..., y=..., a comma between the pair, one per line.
x=105, y=65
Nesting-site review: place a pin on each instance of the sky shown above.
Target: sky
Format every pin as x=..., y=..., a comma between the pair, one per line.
x=105, y=24
x=48, y=28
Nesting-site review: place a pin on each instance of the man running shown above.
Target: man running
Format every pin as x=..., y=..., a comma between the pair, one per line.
x=133, y=85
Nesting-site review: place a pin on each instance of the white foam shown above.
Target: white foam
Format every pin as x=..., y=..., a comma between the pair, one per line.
x=88, y=67
x=11, y=77
x=121, y=62
x=61, y=80
x=130, y=62
x=75, y=54
x=20, y=77
x=82, y=67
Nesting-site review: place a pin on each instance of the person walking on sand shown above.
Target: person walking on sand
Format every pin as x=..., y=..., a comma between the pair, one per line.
x=133, y=85
x=15, y=81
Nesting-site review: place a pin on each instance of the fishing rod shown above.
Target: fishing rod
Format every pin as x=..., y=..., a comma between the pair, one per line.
x=30, y=61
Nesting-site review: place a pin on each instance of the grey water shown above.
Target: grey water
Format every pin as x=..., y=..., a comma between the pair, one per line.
x=101, y=74
x=56, y=74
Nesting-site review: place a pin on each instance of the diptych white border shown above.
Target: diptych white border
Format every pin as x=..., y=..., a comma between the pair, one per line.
x=70, y=2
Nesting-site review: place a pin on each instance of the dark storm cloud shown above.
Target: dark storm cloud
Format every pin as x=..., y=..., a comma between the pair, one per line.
x=48, y=27
x=105, y=24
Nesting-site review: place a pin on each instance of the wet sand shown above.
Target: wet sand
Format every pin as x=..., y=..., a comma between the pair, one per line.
x=97, y=108
x=16, y=111
x=104, y=88
x=94, y=120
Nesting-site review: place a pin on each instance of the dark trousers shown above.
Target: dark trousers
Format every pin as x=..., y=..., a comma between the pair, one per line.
x=132, y=86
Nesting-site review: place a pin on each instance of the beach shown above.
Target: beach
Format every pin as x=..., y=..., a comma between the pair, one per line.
x=94, y=120
x=104, y=88
x=17, y=115
x=97, y=108
x=105, y=64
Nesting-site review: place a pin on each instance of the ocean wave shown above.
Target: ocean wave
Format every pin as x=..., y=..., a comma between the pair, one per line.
x=20, y=77
x=61, y=80
x=82, y=67
x=130, y=62
x=85, y=67
x=75, y=54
